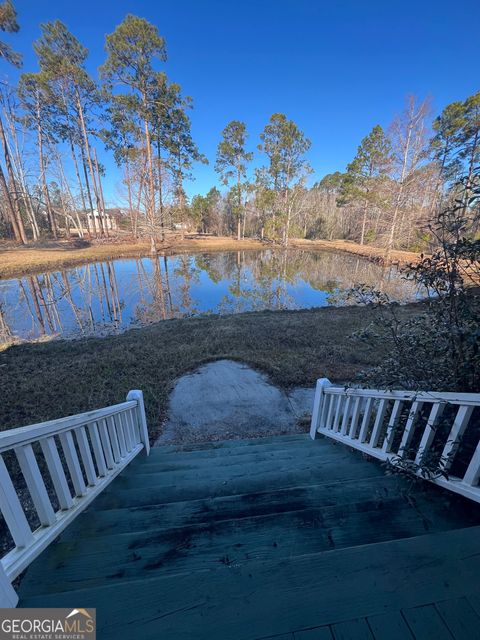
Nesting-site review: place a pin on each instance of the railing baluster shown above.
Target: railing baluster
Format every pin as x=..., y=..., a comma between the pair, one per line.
x=460, y=424
x=86, y=455
x=126, y=432
x=362, y=437
x=133, y=427
x=54, y=464
x=346, y=415
x=378, y=424
x=338, y=413
x=36, y=486
x=324, y=410
x=73, y=463
x=333, y=403
x=97, y=449
x=392, y=424
x=106, y=446
x=121, y=435
x=409, y=428
x=355, y=416
x=12, y=510
x=136, y=429
x=112, y=432
x=429, y=433
x=472, y=473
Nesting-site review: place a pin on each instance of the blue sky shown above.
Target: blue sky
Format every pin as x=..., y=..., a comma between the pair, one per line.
x=337, y=68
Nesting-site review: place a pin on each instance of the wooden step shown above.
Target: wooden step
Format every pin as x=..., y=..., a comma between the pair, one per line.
x=151, y=489
x=273, y=458
x=318, y=447
x=181, y=548
x=330, y=467
x=95, y=522
x=233, y=443
x=261, y=599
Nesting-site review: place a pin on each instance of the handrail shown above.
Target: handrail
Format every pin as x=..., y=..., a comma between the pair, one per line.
x=94, y=447
x=425, y=396
x=407, y=428
x=31, y=433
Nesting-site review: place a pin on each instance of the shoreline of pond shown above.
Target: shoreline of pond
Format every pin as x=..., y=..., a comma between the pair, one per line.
x=17, y=261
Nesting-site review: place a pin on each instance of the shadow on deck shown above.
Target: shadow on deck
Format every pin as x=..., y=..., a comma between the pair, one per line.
x=281, y=537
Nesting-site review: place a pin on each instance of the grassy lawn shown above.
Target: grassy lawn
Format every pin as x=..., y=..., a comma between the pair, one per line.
x=49, y=380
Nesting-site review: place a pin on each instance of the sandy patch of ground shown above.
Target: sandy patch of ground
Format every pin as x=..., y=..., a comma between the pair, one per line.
x=226, y=399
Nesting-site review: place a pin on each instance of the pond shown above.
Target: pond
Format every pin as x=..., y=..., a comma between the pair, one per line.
x=108, y=297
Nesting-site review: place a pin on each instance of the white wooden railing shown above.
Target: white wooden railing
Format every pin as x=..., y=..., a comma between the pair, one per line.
x=422, y=432
x=80, y=456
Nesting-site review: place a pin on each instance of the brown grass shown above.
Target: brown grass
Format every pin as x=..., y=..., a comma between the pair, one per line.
x=377, y=254
x=49, y=380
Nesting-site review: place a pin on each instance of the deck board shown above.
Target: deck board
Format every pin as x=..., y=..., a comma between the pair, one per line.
x=352, y=630
x=461, y=619
x=320, y=633
x=426, y=623
x=390, y=626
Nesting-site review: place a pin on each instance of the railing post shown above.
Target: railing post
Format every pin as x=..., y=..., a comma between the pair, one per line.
x=137, y=395
x=8, y=597
x=317, y=405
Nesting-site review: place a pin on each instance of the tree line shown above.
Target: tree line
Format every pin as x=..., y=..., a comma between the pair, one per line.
x=54, y=120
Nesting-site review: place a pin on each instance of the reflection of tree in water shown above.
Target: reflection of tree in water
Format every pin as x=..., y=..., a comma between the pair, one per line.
x=264, y=285
x=188, y=273
x=6, y=334
x=155, y=290
x=213, y=267
x=45, y=301
x=155, y=301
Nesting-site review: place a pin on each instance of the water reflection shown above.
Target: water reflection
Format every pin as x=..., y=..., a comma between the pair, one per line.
x=107, y=297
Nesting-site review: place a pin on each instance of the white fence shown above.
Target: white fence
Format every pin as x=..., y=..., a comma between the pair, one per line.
x=80, y=455
x=428, y=433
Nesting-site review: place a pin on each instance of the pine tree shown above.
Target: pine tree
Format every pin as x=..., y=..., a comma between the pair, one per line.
x=369, y=166
x=62, y=61
x=132, y=50
x=231, y=163
x=9, y=24
x=285, y=146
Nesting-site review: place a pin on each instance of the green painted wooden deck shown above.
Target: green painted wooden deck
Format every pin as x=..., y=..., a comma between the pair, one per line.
x=270, y=538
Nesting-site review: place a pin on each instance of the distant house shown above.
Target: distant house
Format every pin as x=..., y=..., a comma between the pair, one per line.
x=181, y=226
x=109, y=220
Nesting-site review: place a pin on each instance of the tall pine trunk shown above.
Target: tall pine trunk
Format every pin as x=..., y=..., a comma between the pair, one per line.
x=43, y=172
x=12, y=202
x=100, y=193
x=89, y=160
x=151, y=179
